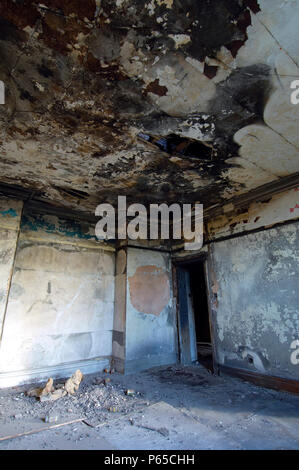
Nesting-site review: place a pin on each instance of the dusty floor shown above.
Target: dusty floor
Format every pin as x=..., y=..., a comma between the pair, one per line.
x=172, y=408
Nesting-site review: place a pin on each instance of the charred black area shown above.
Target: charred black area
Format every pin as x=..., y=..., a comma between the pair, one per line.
x=215, y=29
x=8, y=32
x=253, y=5
x=210, y=71
x=240, y=100
x=23, y=191
x=75, y=193
x=25, y=95
x=44, y=71
x=210, y=23
x=219, y=24
x=97, y=91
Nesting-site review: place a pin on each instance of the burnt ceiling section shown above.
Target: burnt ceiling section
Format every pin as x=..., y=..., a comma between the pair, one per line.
x=158, y=100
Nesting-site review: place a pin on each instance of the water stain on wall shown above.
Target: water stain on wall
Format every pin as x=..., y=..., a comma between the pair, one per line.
x=149, y=289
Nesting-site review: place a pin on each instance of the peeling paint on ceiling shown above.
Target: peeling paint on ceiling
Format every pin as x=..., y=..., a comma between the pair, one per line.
x=85, y=79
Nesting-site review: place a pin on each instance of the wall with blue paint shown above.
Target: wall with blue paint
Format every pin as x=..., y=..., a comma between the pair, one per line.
x=53, y=225
x=59, y=314
x=10, y=213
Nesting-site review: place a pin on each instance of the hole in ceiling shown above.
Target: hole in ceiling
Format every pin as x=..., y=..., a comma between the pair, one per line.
x=174, y=144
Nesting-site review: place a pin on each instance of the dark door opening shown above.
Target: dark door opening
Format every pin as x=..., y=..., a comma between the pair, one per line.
x=193, y=316
x=198, y=293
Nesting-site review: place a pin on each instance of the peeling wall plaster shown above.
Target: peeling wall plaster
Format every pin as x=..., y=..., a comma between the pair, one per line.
x=253, y=281
x=10, y=212
x=256, y=311
x=278, y=209
x=150, y=338
x=61, y=303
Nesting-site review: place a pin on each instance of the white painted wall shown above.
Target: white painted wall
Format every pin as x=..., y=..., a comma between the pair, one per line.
x=150, y=339
x=10, y=213
x=60, y=311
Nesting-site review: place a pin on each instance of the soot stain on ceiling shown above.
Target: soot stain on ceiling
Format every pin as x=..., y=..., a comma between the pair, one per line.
x=85, y=79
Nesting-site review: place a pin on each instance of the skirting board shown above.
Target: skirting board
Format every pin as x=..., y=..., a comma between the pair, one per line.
x=135, y=365
x=89, y=366
x=268, y=381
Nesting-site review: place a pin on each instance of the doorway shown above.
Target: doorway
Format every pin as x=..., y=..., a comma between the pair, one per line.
x=195, y=341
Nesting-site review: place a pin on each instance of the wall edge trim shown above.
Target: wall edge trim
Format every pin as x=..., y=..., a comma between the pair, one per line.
x=268, y=381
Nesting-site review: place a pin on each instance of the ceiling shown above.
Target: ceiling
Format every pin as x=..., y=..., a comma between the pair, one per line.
x=157, y=100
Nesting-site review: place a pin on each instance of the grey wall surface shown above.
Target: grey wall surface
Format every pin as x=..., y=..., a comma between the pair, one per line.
x=255, y=300
x=59, y=315
x=10, y=214
x=151, y=335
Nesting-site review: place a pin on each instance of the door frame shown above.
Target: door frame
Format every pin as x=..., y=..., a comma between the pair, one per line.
x=183, y=265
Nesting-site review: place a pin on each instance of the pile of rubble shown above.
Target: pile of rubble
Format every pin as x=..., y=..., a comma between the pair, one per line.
x=50, y=393
x=97, y=397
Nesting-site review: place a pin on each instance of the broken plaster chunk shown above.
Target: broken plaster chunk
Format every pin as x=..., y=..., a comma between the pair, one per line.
x=53, y=396
x=48, y=387
x=48, y=393
x=39, y=392
x=72, y=384
x=58, y=394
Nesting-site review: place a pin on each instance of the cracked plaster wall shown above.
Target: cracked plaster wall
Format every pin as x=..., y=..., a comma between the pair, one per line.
x=10, y=214
x=150, y=313
x=255, y=300
x=277, y=209
x=60, y=310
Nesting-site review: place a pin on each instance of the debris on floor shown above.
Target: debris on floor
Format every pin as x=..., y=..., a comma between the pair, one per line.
x=198, y=411
x=49, y=418
x=49, y=393
x=41, y=392
x=98, y=398
x=73, y=383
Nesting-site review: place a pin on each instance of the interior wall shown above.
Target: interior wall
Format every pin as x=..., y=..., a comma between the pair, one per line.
x=252, y=274
x=120, y=309
x=57, y=295
x=256, y=311
x=60, y=309
x=280, y=208
x=10, y=214
x=254, y=287
x=151, y=334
